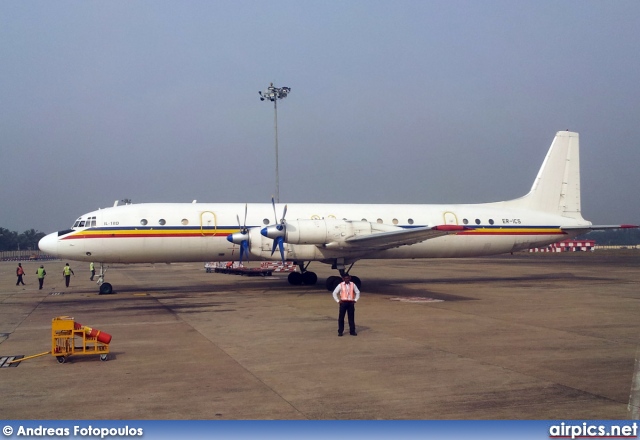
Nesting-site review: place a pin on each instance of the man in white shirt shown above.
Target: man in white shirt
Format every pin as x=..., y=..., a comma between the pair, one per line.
x=347, y=294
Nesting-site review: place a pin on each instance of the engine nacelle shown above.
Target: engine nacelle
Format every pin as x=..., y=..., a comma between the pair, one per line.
x=238, y=237
x=322, y=231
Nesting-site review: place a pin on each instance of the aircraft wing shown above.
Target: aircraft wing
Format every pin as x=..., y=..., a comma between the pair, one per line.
x=589, y=228
x=401, y=237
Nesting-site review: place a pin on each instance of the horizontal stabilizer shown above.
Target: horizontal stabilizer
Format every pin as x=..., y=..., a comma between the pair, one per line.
x=585, y=229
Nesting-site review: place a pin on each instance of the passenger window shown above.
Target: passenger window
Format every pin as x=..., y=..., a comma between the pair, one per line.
x=465, y=221
x=185, y=221
x=410, y=221
x=162, y=222
x=490, y=221
x=477, y=221
x=395, y=221
x=379, y=220
x=144, y=222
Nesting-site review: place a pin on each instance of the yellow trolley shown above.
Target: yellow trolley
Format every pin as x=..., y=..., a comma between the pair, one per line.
x=71, y=338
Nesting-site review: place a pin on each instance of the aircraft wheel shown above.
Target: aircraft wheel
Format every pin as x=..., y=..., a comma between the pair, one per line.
x=106, y=289
x=309, y=278
x=295, y=278
x=357, y=282
x=332, y=283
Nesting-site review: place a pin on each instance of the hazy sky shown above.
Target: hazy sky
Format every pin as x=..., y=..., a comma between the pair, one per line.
x=391, y=102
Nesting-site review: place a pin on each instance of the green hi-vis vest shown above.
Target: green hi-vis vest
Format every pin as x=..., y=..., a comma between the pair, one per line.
x=91, y=266
x=41, y=272
x=67, y=271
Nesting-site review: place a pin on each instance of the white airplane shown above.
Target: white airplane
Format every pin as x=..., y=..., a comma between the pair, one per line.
x=335, y=234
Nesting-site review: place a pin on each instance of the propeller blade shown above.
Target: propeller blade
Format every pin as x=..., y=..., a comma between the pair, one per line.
x=278, y=243
x=244, y=249
x=273, y=203
x=244, y=225
x=241, y=239
x=281, y=246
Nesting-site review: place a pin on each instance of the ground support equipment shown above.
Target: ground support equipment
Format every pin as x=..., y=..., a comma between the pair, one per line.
x=69, y=338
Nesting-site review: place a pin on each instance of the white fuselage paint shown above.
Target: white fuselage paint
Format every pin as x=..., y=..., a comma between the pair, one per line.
x=117, y=236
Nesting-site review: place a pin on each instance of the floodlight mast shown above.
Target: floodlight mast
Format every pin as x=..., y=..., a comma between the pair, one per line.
x=273, y=94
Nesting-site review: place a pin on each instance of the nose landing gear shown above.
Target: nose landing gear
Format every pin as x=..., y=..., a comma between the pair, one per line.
x=105, y=288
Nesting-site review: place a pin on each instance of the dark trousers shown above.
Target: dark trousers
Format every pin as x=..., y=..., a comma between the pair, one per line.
x=93, y=274
x=20, y=280
x=40, y=281
x=66, y=280
x=348, y=307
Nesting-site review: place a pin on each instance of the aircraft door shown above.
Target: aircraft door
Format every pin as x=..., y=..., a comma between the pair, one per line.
x=208, y=223
x=450, y=218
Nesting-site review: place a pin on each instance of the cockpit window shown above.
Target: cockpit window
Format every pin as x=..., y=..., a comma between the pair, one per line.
x=85, y=223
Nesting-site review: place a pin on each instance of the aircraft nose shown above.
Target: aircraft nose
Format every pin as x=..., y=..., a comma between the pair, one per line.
x=49, y=244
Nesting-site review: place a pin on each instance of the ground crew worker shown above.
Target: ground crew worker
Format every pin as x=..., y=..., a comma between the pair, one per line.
x=66, y=273
x=20, y=273
x=347, y=294
x=41, y=273
x=92, y=268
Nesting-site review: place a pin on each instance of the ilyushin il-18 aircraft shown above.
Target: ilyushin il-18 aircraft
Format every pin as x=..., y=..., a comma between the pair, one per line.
x=335, y=234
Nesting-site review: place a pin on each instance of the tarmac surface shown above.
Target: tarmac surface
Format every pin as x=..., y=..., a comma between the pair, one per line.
x=525, y=336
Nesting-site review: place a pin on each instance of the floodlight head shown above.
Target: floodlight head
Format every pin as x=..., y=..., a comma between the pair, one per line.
x=274, y=93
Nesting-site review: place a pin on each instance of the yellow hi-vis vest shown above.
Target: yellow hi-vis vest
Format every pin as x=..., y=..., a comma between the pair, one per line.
x=67, y=271
x=346, y=292
x=41, y=272
x=91, y=266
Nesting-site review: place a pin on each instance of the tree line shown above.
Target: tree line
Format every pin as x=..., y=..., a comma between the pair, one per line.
x=14, y=241
x=613, y=237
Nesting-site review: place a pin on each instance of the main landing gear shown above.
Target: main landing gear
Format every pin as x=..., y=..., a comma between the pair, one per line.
x=303, y=277
x=309, y=278
x=333, y=281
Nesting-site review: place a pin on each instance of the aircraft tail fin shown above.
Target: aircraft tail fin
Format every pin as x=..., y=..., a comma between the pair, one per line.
x=556, y=188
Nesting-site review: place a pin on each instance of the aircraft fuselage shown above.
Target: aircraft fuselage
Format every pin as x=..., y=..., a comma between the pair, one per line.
x=195, y=232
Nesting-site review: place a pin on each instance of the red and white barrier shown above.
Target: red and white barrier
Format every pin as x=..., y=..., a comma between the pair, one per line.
x=278, y=266
x=568, y=246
